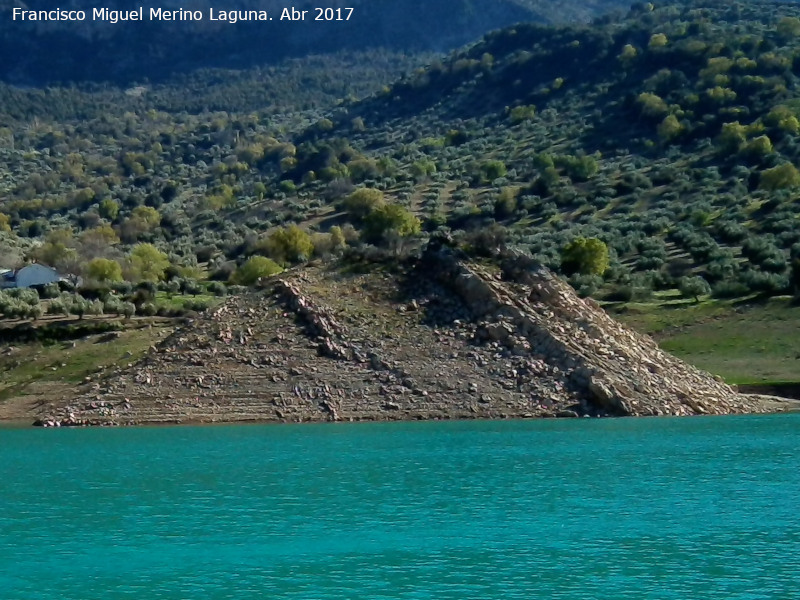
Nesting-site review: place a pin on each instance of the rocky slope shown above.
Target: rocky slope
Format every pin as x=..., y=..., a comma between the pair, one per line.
x=440, y=339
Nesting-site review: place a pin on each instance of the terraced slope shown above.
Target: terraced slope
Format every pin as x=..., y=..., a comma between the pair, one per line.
x=439, y=339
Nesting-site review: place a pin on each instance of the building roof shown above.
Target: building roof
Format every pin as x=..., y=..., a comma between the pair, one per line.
x=11, y=275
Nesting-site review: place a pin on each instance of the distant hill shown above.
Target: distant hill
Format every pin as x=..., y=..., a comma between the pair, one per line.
x=670, y=134
x=48, y=52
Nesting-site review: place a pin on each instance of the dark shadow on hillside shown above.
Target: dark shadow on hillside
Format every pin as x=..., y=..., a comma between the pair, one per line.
x=419, y=291
x=128, y=52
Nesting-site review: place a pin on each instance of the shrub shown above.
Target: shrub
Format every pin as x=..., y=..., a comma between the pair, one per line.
x=588, y=256
x=782, y=176
x=289, y=245
x=393, y=219
x=217, y=288
x=729, y=289
x=652, y=105
x=104, y=270
x=254, y=269
x=363, y=201
x=148, y=309
x=522, y=113
x=586, y=285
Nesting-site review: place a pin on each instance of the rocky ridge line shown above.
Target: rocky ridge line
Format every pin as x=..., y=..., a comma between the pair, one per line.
x=611, y=368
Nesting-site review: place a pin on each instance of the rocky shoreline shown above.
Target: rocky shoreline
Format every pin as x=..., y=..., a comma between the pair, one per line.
x=438, y=338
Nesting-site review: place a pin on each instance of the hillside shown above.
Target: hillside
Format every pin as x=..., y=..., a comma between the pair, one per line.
x=651, y=159
x=670, y=135
x=434, y=338
x=126, y=52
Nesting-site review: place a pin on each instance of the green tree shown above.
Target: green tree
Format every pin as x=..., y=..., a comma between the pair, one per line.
x=58, y=251
x=670, y=128
x=104, y=270
x=5, y=223
x=259, y=189
x=393, y=219
x=363, y=168
x=758, y=147
x=506, y=202
x=289, y=245
x=143, y=219
x=733, y=136
x=721, y=94
x=324, y=125
x=694, y=287
x=338, y=240
x=789, y=27
x=423, y=168
x=782, y=176
x=493, y=169
x=148, y=216
x=522, y=113
x=148, y=263
x=287, y=186
x=657, y=40
x=83, y=197
x=108, y=209
x=543, y=161
x=254, y=269
x=587, y=256
x=783, y=118
x=97, y=241
x=580, y=168
x=628, y=54
x=716, y=65
x=652, y=105
x=363, y=201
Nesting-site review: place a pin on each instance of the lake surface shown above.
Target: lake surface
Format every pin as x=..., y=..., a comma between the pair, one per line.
x=580, y=509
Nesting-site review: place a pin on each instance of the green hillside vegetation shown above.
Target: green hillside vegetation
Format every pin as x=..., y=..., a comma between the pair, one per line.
x=648, y=156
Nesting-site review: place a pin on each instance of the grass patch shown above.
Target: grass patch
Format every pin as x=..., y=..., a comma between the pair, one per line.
x=745, y=344
x=179, y=302
x=29, y=364
x=657, y=318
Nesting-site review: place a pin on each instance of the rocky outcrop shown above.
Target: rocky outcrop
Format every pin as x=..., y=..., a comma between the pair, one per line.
x=319, y=322
x=445, y=339
x=610, y=368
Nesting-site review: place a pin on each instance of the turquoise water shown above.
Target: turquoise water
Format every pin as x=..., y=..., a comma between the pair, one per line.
x=584, y=509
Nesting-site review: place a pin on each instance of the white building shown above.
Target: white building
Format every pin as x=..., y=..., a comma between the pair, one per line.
x=29, y=276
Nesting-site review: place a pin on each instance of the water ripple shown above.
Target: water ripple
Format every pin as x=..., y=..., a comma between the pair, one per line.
x=624, y=510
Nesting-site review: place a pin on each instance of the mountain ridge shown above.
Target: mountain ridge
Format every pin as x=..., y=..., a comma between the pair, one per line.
x=125, y=52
